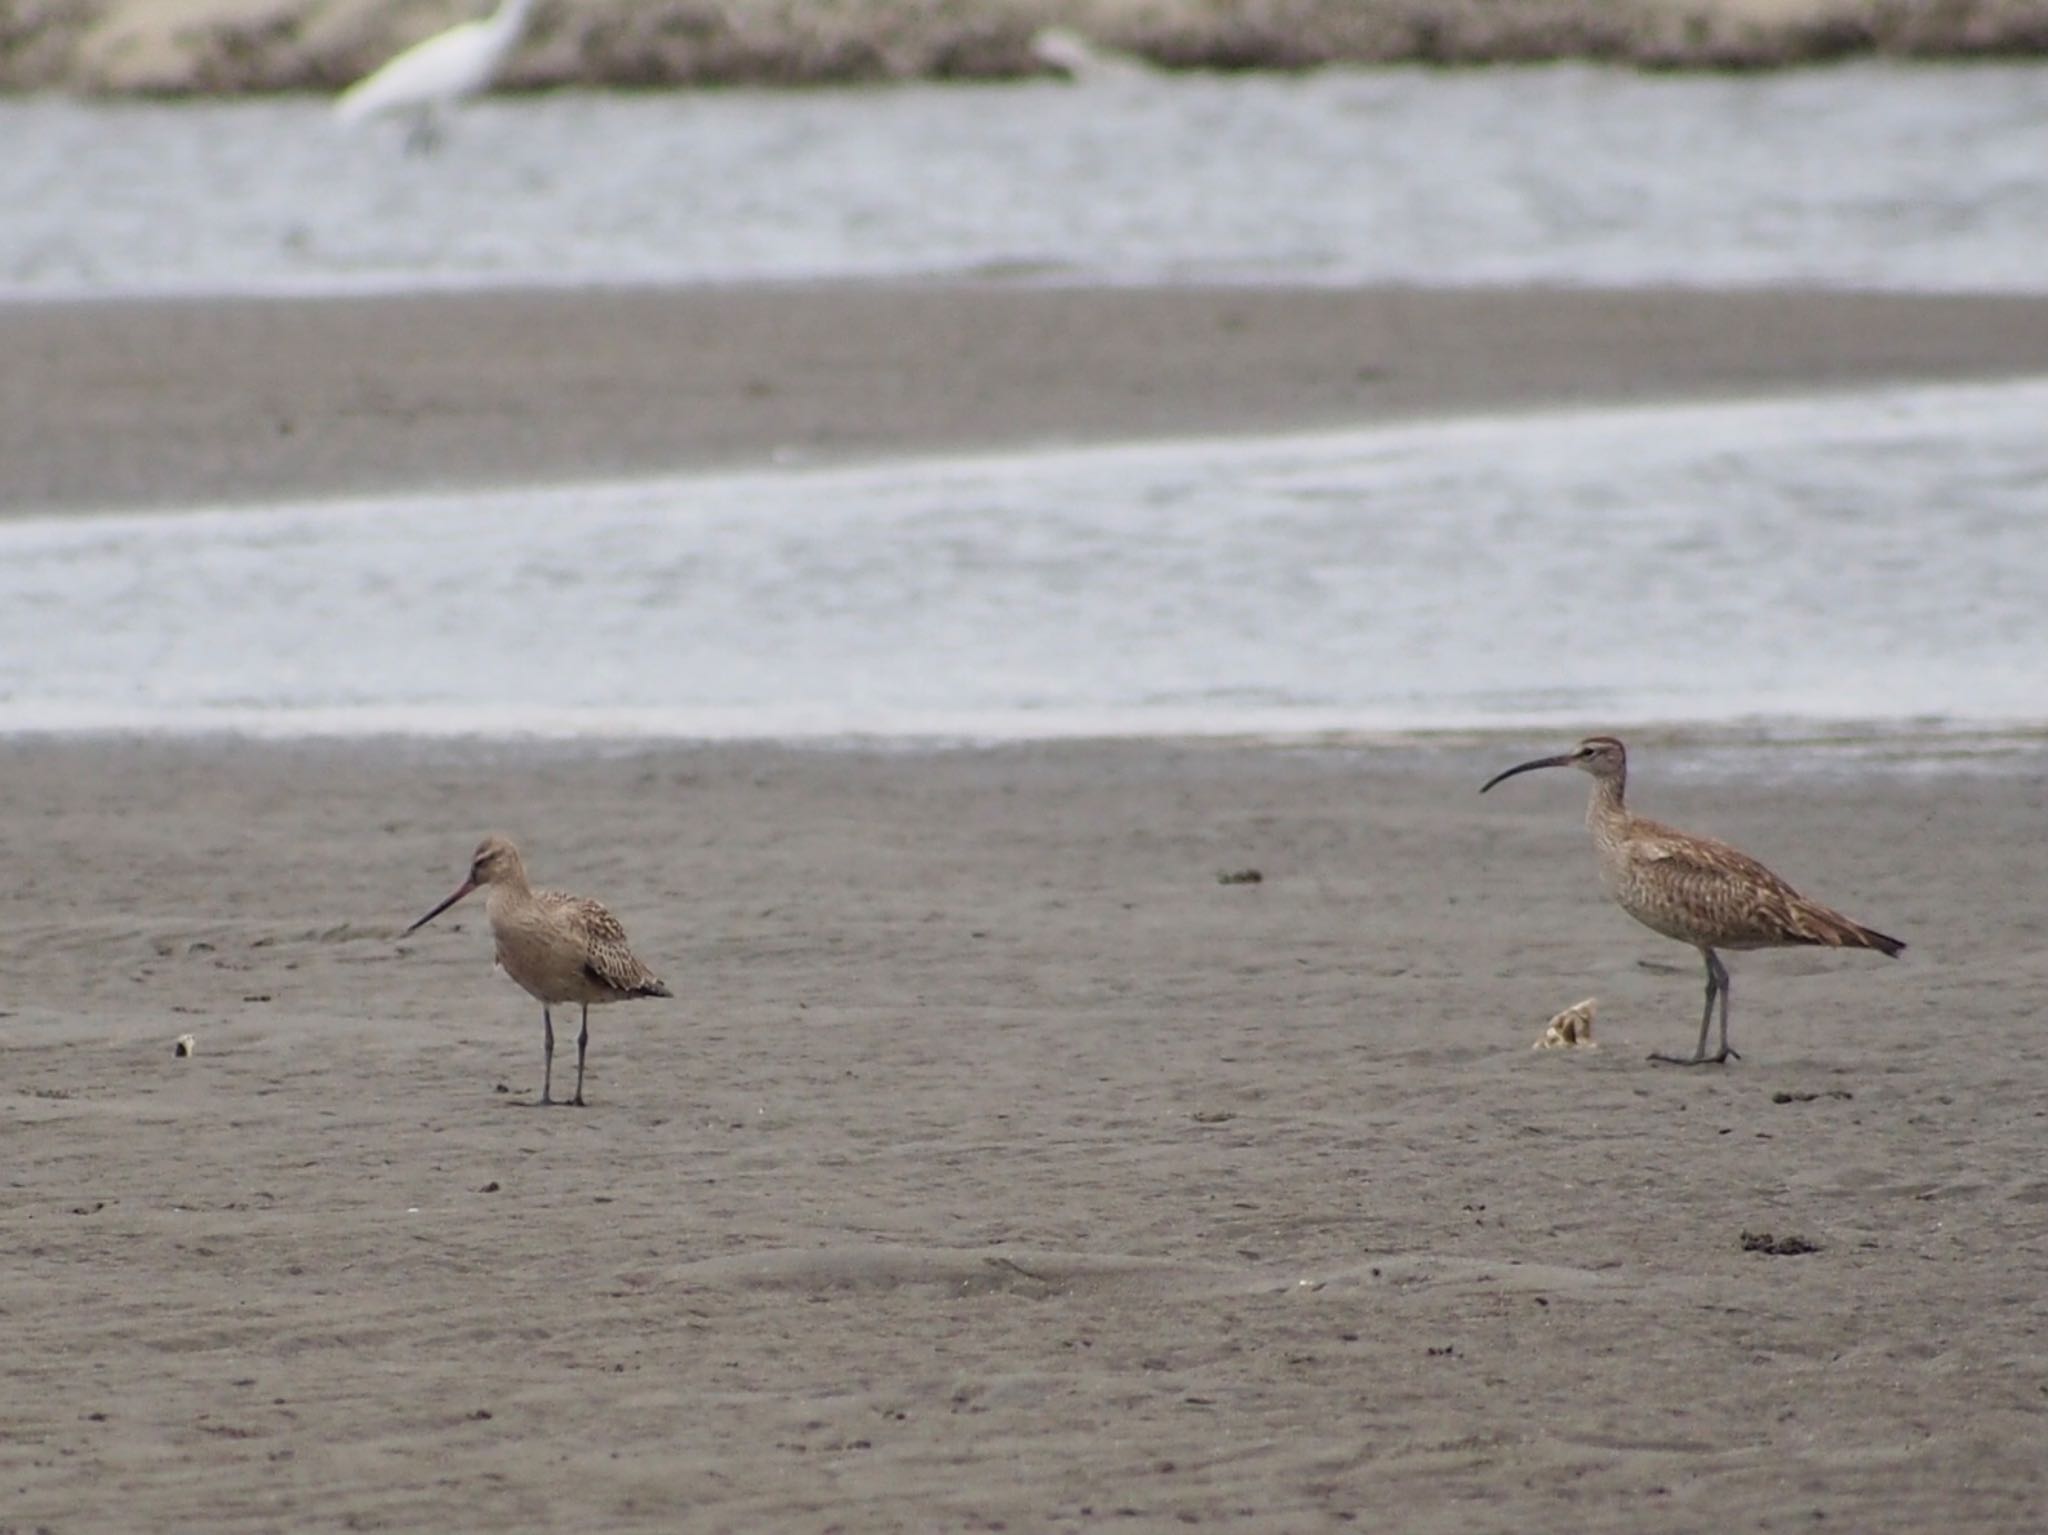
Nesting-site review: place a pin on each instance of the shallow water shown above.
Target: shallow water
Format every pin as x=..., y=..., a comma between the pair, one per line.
x=1831, y=565
x=1925, y=178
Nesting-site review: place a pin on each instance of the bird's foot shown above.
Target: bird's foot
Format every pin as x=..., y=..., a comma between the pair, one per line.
x=544, y=1101
x=1728, y=1053
x=576, y=1102
x=1687, y=1060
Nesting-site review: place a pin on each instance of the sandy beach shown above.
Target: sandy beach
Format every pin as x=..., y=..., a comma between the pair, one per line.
x=203, y=401
x=997, y=1166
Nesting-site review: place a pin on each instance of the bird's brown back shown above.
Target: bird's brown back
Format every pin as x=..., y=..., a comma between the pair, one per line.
x=609, y=960
x=1702, y=891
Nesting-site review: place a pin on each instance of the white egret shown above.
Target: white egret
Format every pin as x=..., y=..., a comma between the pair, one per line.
x=434, y=74
x=1067, y=53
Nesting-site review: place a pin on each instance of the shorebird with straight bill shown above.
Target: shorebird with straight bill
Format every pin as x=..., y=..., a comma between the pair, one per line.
x=1695, y=889
x=560, y=948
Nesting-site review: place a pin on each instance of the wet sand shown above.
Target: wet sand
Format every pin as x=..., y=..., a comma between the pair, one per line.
x=998, y=1167
x=141, y=404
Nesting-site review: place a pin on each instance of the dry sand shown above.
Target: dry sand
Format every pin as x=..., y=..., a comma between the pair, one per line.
x=996, y=1166
x=175, y=403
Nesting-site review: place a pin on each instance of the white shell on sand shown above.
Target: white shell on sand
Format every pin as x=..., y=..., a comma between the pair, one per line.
x=1571, y=1029
x=186, y=1045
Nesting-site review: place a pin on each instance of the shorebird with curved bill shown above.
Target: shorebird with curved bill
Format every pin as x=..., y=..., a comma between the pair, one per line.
x=1695, y=889
x=559, y=948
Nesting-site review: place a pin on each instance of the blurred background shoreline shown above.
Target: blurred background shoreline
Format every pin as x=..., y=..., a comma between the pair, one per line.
x=233, y=47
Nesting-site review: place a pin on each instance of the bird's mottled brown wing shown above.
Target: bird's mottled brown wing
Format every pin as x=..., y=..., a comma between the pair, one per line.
x=608, y=958
x=1729, y=899
x=1654, y=842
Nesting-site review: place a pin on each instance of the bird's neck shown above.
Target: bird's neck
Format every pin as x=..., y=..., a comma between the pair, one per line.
x=510, y=16
x=509, y=889
x=1604, y=810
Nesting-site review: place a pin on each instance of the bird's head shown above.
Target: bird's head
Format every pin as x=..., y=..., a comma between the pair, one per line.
x=1602, y=756
x=495, y=860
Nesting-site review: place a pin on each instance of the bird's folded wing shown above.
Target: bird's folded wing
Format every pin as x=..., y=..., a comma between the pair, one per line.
x=1735, y=894
x=608, y=956
x=1682, y=854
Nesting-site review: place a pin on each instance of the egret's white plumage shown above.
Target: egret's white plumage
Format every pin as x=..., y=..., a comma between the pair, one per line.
x=434, y=74
x=1066, y=52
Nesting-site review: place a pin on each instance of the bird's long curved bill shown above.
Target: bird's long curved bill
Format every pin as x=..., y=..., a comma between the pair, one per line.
x=1525, y=767
x=461, y=890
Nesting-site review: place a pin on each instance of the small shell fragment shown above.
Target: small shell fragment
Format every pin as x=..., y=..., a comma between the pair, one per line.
x=1571, y=1029
x=186, y=1045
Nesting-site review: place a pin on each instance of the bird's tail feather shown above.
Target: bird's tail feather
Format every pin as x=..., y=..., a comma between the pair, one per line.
x=1830, y=929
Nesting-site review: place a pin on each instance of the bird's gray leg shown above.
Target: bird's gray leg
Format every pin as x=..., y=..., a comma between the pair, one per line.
x=424, y=136
x=582, y=1044
x=1717, y=981
x=1728, y=1051
x=547, y=1078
